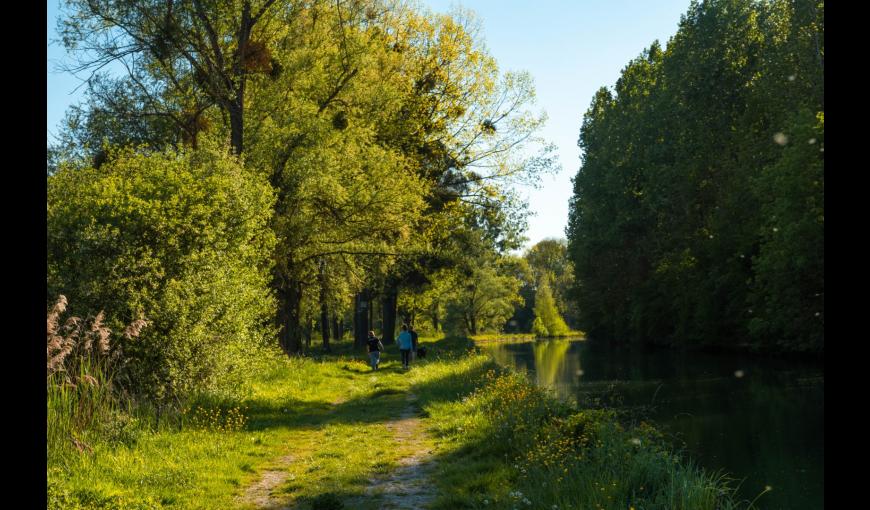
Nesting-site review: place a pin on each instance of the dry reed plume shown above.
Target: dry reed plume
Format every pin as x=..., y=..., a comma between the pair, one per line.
x=74, y=340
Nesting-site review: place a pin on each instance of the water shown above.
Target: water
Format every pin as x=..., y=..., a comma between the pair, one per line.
x=760, y=420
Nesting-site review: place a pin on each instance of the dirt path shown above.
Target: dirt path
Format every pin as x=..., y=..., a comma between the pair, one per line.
x=260, y=492
x=409, y=486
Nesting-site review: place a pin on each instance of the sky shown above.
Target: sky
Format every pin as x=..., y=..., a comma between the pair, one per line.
x=570, y=47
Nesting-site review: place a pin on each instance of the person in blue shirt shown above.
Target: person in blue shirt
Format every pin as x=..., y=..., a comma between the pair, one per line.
x=405, y=344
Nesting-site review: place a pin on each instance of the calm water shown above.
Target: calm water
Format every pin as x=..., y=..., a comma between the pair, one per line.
x=760, y=420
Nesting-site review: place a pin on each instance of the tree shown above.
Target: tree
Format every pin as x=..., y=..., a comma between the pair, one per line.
x=548, y=321
x=524, y=315
x=481, y=301
x=549, y=259
x=181, y=57
x=788, y=293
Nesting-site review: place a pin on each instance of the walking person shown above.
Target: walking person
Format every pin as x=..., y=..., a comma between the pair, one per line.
x=405, y=344
x=375, y=347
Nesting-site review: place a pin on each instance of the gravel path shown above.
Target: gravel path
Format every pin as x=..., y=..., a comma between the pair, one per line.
x=409, y=486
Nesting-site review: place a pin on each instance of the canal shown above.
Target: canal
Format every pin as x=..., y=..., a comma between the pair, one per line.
x=760, y=420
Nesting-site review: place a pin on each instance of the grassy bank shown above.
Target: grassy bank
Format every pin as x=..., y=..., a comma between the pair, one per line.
x=314, y=432
x=485, y=338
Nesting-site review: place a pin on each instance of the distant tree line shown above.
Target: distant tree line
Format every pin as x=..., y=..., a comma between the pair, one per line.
x=698, y=211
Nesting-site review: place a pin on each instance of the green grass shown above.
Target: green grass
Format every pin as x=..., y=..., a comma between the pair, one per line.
x=320, y=422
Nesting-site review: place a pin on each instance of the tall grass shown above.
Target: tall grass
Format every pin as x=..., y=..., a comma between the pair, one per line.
x=82, y=405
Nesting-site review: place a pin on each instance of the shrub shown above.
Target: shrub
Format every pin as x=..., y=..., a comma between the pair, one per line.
x=181, y=237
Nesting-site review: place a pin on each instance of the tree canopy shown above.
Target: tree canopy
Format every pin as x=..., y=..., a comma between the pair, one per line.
x=378, y=138
x=701, y=189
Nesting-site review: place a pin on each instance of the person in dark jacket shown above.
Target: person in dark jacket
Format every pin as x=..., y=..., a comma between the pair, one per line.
x=375, y=347
x=413, y=341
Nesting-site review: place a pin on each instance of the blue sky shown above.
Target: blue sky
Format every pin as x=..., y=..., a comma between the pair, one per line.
x=570, y=47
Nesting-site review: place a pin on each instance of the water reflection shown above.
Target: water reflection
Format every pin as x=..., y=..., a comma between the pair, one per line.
x=760, y=420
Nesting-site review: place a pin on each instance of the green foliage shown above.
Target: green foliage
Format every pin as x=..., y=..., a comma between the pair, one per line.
x=789, y=311
x=482, y=301
x=547, y=318
x=179, y=237
x=549, y=259
x=589, y=458
x=547, y=262
x=520, y=269
x=689, y=165
x=539, y=329
x=379, y=129
x=106, y=119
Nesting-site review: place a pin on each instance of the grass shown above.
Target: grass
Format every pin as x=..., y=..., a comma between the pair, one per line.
x=320, y=421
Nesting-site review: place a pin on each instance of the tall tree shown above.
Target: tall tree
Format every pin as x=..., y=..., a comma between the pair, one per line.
x=181, y=57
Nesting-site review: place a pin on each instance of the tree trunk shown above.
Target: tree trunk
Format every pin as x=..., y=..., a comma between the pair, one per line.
x=389, y=302
x=371, y=303
x=356, y=326
x=361, y=319
x=237, y=105
x=337, y=332
x=237, y=126
x=289, y=320
x=324, y=327
x=324, y=307
x=435, y=317
x=308, y=329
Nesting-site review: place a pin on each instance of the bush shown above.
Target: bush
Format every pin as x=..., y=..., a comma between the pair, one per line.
x=180, y=237
x=514, y=407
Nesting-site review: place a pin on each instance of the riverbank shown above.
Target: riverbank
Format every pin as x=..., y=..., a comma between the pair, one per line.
x=456, y=431
x=736, y=348
x=487, y=338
